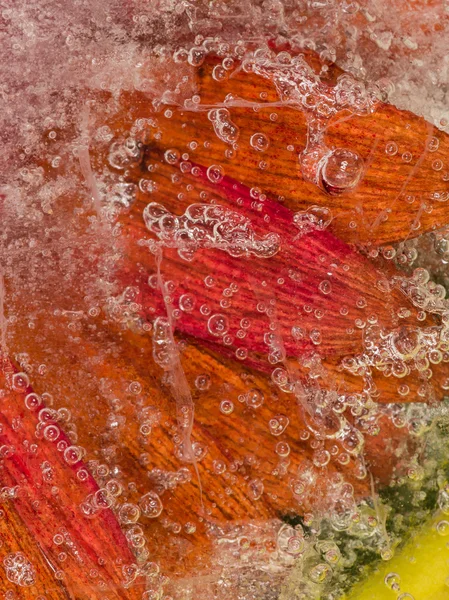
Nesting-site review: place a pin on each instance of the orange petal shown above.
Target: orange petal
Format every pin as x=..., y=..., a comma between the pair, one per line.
x=403, y=189
x=241, y=448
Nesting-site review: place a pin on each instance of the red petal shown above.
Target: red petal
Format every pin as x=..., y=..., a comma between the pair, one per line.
x=48, y=483
x=316, y=294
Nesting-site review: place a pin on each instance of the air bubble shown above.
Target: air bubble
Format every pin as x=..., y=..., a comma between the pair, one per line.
x=187, y=302
x=172, y=156
x=72, y=455
x=315, y=218
x=325, y=287
x=391, y=149
x=218, y=325
x=151, y=505
x=392, y=581
x=241, y=353
x=254, y=398
x=20, y=382
x=19, y=570
x=51, y=433
x=202, y=382
x=226, y=407
x=196, y=56
x=215, y=173
x=341, y=171
x=433, y=144
x=278, y=424
x=282, y=449
x=32, y=401
x=255, y=489
x=224, y=128
x=129, y=513
x=320, y=573
x=259, y=142
x=219, y=73
x=443, y=528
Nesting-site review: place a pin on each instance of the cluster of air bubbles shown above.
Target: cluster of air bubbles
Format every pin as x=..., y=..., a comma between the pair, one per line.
x=224, y=128
x=124, y=194
x=208, y=226
x=50, y=422
x=126, y=309
x=168, y=480
x=104, y=498
x=278, y=424
x=335, y=170
x=19, y=570
x=164, y=349
x=122, y=154
x=315, y=218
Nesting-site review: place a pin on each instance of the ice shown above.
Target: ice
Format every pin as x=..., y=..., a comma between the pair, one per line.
x=87, y=210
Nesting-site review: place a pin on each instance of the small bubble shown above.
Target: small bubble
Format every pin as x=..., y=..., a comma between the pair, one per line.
x=321, y=458
x=241, y=353
x=32, y=401
x=172, y=156
x=254, y=398
x=278, y=424
x=147, y=186
x=202, y=382
x=82, y=475
x=320, y=573
x=391, y=148
x=443, y=528
x=187, y=302
x=282, y=449
x=388, y=252
x=151, y=505
x=215, y=173
x=407, y=157
x=219, y=467
x=259, y=142
x=51, y=433
x=433, y=144
x=129, y=513
x=325, y=287
x=255, y=489
x=392, y=581
x=72, y=455
x=135, y=388
x=218, y=325
x=219, y=73
x=20, y=382
x=196, y=56
x=226, y=407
